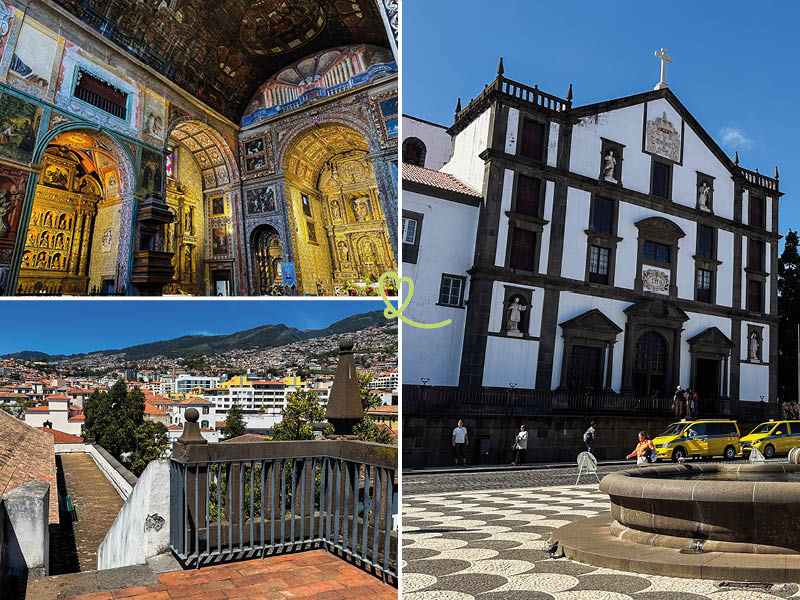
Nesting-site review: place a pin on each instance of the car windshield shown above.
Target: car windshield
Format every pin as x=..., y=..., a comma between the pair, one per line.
x=763, y=428
x=674, y=429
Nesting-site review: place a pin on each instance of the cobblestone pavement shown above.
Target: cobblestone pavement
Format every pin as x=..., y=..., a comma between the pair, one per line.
x=485, y=544
x=96, y=504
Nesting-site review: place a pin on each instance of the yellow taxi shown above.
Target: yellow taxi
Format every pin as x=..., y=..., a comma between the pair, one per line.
x=699, y=437
x=772, y=437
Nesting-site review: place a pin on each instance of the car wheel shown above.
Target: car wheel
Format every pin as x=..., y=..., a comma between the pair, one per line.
x=769, y=451
x=678, y=454
x=730, y=453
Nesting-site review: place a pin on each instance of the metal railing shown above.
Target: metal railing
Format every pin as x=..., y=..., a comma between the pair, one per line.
x=248, y=499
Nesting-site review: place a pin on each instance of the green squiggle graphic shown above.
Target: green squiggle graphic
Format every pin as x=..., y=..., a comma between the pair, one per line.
x=390, y=312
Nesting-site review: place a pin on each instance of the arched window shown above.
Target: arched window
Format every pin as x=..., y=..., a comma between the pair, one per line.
x=267, y=259
x=414, y=151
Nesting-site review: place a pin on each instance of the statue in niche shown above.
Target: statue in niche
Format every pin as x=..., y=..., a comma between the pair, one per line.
x=514, y=312
x=755, y=354
x=167, y=236
x=187, y=261
x=60, y=241
x=26, y=260
x=31, y=238
x=55, y=262
x=704, y=195
x=44, y=239
x=187, y=221
x=62, y=222
x=41, y=260
x=48, y=219
x=361, y=209
x=6, y=206
x=344, y=252
x=336, y=211
x=609, y=166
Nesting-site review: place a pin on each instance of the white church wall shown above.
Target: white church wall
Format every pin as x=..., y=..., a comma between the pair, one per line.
x=764, y=339
x=571, y=305
x=510, y=360
x=505, y=206
x=753, y=382
x=512, y=128
x=725, y=248
x=469, y=143
x=768, y=208
x=696, y=324
x=573, y=263
x=435, y=137
x=496, y=316
x=544, y=253
x=552, y=145
x=746, y=207
x=447, y=245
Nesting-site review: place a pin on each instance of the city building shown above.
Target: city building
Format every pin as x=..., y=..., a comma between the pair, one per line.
x=606, y=248
x=151, y=150
x=58, y=414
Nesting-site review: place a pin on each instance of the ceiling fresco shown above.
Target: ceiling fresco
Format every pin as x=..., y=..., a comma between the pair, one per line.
x=222, y=51
x=206, y=152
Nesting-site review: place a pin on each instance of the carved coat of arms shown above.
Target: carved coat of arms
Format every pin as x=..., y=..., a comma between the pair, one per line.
x=655, y=280
x=663, y=139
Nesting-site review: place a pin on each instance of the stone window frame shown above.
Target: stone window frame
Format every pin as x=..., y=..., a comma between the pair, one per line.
x=461, y=305
x=575, y=335
x=662, y=231
x=619, y=150
x=667, y=163
x=420, y=147
x=602, y=240
x=763, y=198
x=509, y=292
x=411, y=251
x=709, y=180
x=762, y=280
x=524, y=115
x=535, y=225
x=749, y=269
x=512, y=212
x=759, y=331
x=707, y=264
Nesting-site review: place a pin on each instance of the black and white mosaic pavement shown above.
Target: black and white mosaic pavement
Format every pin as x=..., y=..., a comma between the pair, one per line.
x=491, y=545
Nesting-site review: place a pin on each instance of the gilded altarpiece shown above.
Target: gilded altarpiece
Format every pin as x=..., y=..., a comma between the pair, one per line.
x=57, y=250
x=184, y=237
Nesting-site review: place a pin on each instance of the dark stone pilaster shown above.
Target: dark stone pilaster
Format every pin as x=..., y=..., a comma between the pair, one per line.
x=736, y=322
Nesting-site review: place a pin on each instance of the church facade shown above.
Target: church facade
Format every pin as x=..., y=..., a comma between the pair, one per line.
x=182, y=147
x=615, y=248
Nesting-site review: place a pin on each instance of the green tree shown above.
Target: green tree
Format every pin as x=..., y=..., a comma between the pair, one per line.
x=788, y=317
x=112, y=418
x=234, y=422
x=366, y=429
x=152, y=443
x=302, y=409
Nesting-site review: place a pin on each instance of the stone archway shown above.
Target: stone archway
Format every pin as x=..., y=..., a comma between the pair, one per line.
x=267, y=258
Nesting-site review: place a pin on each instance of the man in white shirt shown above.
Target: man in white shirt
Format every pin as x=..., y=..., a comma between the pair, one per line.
x=460, y=442
x=520, y=445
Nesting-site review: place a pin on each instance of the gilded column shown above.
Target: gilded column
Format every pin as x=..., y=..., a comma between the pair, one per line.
x=77, y=242
x=87, y=224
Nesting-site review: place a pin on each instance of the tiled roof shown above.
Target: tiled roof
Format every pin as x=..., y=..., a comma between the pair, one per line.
x=196, y=402
x=36, y=409
x=437, y=179
x=26, y=454
x=149, y=409
x=247, y=437
x=390, y=409
x=62, y=438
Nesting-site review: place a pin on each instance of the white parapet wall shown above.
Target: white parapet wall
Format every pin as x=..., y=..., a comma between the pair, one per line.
x=26, y=537
x=141, y=529
x=118, y=476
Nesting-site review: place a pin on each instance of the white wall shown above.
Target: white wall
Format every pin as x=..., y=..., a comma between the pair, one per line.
x=510, y=360
x=725, y=247
x=118, y=482
x=133, y=538
x=496, y=316
x=505, y=206
x=552, y=145
x=753, y=382
x=447, y=245
x=511, y=131
x=573, y=264
x=469, y=143
x=435, y=138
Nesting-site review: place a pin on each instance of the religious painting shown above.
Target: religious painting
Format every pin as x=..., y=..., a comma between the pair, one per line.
x=218, y=206
x=255, y=163
x=254, y=147
x=56, y=176
x=150, y=175
x=306, y=205
x=385, y=116
x=11, y=195
x=154, y=115
x=361, y=209
x=34, y=54
x=312, y=232
x=108, y=238
x=257, y=157
x=19, y=122
x=219, y=241
x=6, y=19
x=260, y=201
x=662, y=137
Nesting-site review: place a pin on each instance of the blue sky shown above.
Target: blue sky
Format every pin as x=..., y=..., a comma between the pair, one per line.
x=72, y=326
x=735, y=64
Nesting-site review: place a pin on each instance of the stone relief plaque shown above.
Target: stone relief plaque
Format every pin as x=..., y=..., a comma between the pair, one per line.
x=655, y=280
x=663, y=139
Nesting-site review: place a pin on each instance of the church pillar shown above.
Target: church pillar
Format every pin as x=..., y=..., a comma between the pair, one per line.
x=724, y=376
x=76, y=233
x=609, y=366
x=87, y=225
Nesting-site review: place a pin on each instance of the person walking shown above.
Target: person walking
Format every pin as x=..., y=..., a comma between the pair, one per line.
x=589, y=437
x=460, y=442
x=643, y=450
x=520, y=445
x=695, y=404
x=687, y=404
x=677, y=403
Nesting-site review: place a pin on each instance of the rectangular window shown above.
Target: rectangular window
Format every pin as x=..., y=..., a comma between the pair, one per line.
x=754, y=296
x=409, y=230
x=661, y=177
x=532, y=142
x=598, y=264
x=656, y=251
x=451, y=292
x=527, y=202
x=603, y=216
x=757, y=212
x=523, y=246
x=705, y=242
x=101, y=94
x=755, y=254
x=703, y=285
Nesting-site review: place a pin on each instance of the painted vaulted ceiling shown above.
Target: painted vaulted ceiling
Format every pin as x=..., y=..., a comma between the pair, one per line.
x=221, y=51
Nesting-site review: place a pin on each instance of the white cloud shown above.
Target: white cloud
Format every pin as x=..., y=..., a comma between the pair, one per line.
x=205, y=333
x=735, y=139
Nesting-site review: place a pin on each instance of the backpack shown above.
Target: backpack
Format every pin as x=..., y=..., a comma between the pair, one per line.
x=587, y=437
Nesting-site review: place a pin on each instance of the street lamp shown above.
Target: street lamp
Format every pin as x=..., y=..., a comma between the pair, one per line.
x=425, y=381
x=513, y=384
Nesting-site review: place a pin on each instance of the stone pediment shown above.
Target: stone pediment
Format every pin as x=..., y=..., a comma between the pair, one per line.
x=661, y=226
x=657, y=309
x=711, y=337
x=593, y=322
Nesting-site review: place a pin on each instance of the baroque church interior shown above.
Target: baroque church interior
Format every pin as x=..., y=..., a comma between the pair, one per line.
x=242, y=147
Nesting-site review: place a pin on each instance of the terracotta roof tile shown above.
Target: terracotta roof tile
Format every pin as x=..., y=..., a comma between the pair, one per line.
x=437, y=179
x=149, y=409
x=61, y=437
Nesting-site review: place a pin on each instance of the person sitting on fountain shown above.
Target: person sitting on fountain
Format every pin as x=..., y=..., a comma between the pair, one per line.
x=643, y=450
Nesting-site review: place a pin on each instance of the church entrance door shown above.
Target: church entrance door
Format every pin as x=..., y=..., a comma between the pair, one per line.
x=586, y=369
x=650, y=365
x=706, y=379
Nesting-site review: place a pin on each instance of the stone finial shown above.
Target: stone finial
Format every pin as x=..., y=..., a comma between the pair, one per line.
x=344, y=403
x=458, y=105
x=569, y=93
x=736, y=157
x=500, y=69
x=776, y=172
x=191, y=429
